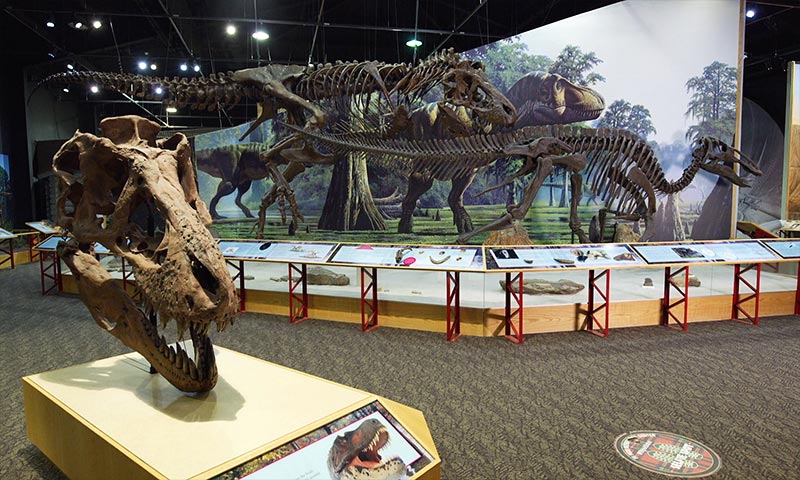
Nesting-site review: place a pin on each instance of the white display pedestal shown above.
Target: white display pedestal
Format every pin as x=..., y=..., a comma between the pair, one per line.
x=112, y=419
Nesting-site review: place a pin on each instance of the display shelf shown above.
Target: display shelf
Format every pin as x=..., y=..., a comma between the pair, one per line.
x=81, y=417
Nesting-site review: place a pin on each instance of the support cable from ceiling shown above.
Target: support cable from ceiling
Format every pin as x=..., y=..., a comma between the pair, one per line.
x=463, y=22
x=316, y=30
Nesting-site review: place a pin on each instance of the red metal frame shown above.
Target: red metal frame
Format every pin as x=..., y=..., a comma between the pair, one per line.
x=738, y=300
x=666, y=306
x=453, y=305
x=238, y=265
x=369, y=299
x=9, y=252
x=513, y=333
x=33, y=240
x=797, y=293
x=298, y=313
x=50, y=271
x=602, y=291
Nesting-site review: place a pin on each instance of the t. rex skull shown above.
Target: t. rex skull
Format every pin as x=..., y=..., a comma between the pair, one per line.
x=128, y=176
x=466, y=85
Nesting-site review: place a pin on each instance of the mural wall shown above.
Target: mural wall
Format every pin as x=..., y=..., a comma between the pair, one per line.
x=5, y=192
x=667, y=71
x=792, y=188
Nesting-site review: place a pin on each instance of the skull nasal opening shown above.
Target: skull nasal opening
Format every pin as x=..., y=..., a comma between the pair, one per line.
x=204, y=277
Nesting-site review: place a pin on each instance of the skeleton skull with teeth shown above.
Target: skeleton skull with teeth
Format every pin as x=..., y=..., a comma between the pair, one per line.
x=157, y=223
x=466, y=85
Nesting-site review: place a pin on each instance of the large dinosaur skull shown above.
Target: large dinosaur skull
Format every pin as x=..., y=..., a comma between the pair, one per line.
x=717, y=157
x=128, y=176
x=466, y=85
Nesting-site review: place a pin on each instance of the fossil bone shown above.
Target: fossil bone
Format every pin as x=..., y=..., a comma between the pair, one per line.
x=131, y=177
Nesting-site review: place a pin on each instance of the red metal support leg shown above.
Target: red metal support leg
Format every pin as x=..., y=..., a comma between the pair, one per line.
x=513, y=333
x=683, y=293
x=738, y=300
x=238, y=266
x=369, y=299
x=453, y=305
x=9, y=252
x=50, y=269
x=596, y=285
x=34, y=240
x=298, y=303
x=797, y=293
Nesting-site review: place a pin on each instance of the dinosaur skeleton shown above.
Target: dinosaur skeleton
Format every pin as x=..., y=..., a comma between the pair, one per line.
x=620, y=167
x=127, y=175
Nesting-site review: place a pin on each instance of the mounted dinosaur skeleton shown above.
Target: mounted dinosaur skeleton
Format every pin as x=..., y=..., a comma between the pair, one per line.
x=377, y=94
x=129, y=176
x=540, y=98
x=621, y=169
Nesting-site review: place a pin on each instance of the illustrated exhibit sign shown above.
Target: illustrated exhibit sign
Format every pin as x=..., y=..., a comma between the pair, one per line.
x=570, y=256
x=299, y=252
x=784, y=248
x=746, y=251
x=668, y=454
x=5, y=234
x=42, y=227
x=365, y=444
x=50, y=243
x=412, y=256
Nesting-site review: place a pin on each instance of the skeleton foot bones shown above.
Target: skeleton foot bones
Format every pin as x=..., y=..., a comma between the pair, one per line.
x=135, y=179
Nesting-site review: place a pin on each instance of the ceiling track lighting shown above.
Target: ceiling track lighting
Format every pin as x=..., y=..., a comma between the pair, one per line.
x=230, y=29
x=97, y=24
x=260, y=35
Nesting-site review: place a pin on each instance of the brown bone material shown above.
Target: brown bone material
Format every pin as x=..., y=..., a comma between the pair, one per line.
x=128, y=175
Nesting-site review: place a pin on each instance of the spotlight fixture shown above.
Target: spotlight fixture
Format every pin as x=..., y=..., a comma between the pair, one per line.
x=97, y=24
x=65, y=90
x=78, y=25
x=94, y=89
x=50, y=24
x=414, y=43
x=196, y=67
x=70, y=66
x=51, y=54
x=260, y=35
x=172, y=110
x=750, y=13
x=230, y=29
x=153, y=66
x=184, y=67
x=159, y=90
x=142, y=65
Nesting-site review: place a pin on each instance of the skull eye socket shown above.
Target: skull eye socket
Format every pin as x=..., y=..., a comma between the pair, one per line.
x=478, y=96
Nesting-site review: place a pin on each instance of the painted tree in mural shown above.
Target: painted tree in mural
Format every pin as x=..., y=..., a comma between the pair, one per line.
x=349, y=204
x=508, y=60
x=713, y=102
x=576, y=66
x=621, y=114
x=713, y=105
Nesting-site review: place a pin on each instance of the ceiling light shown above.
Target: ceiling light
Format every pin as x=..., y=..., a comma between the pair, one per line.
x=51, y=54
x=50, y=24
x=70, y=66
x=94, y=89
x=97, y=24
x=196, y=67
x=171, y=110
x=414, y=43
x=159, y=90
x=230, y=29
x=153, y=66
x=184, y=67
x=65, y=90
x=142, y=65
x=78, y=25
x=750, y=13
x=260, y=35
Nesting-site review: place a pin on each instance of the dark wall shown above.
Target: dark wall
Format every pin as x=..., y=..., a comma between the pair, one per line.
x=14, y=141
x=768, y=90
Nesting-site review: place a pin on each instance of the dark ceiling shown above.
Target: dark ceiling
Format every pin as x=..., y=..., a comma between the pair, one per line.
x=170, y=32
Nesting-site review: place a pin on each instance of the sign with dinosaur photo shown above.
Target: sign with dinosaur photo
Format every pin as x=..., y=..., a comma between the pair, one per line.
x=598, y=120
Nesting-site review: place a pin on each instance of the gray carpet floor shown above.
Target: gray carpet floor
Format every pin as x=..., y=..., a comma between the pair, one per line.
x=549, y=408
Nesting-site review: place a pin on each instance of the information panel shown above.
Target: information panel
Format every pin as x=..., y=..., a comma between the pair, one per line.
x=784, y=248
x=50, y=243
x=5, y=234
x=296, y=252
x=746, y=251
x=367, y=443
x=43, y=227
x=423, y=257
x=570, y=256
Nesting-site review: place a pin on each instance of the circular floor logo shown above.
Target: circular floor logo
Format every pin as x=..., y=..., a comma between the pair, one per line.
x=667, y=454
